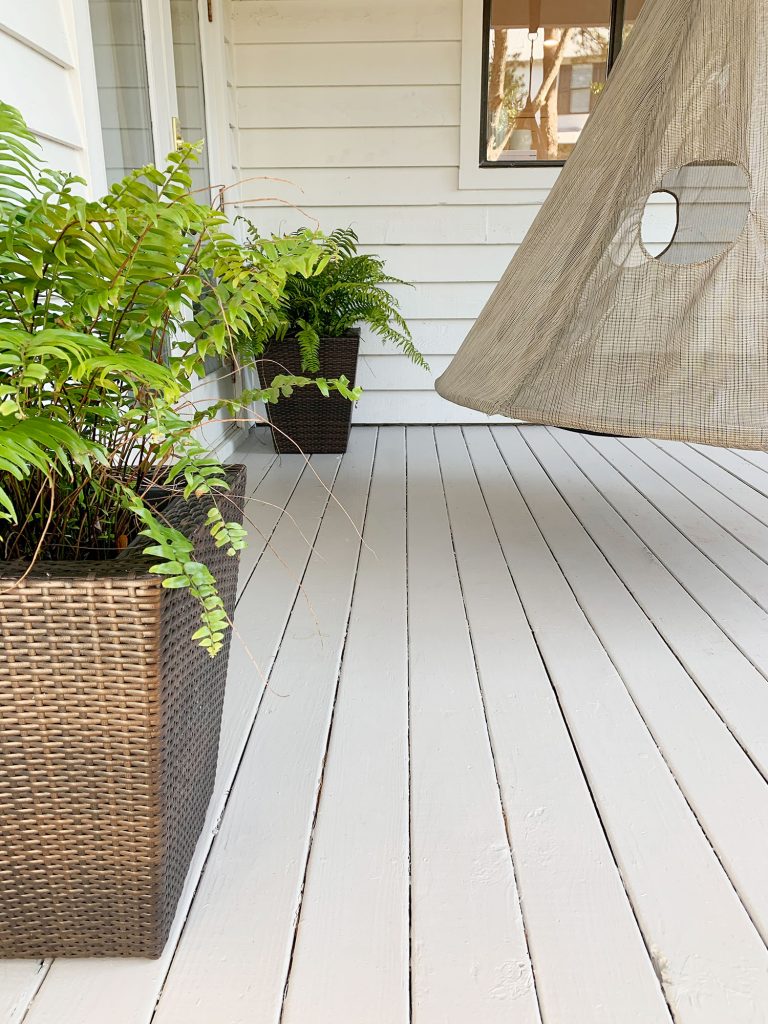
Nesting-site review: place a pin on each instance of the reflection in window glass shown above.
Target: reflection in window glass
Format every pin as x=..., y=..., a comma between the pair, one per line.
x=190, y=91
x=121, y=77
x=547, y=65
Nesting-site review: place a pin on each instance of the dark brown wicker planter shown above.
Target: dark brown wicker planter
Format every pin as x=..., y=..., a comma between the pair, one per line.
x=109, y=733
x=307, y=421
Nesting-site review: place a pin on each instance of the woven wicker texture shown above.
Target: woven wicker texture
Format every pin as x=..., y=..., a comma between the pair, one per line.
x=109, y=729
x=587, y=329
x=308, y=421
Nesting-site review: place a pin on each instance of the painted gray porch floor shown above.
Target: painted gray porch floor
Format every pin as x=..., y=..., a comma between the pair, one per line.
x=504, y=761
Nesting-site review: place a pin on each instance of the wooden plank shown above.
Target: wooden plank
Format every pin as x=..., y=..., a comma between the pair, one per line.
x=40, y=25
x=126, y=991
x=706, y=947
x=388, y=371
x=757, y=458
x=701, y=614
x=40, y=88
x=414, y=407
x=589, y=959
x=351, y=959
x=288, y=543
x=470, y=959
x=447, y=301
x=426, y=226
x=264, y=509
x=727, y=793
x=349, y=147
x=264, y=65
x=735, y=463
x=716, y=504
x=19, y=982
x=233, y=959
x=431, y=337
x=739, y=564
x=393, y=185
x=746, y=497
x=444, y=263
x=357, y=106
x=301, y=21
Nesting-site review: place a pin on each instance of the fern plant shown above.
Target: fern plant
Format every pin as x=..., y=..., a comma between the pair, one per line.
x=348, y=288
x=108, y=310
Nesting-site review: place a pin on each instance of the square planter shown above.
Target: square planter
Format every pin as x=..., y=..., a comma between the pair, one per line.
x=109, y=734
x=307, y=421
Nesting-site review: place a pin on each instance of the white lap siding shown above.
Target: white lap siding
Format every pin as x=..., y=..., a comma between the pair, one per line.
x=40, y=74
x=357, y=104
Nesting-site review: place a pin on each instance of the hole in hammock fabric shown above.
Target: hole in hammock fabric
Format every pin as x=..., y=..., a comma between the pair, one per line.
x=698, y=213
x=659, y=224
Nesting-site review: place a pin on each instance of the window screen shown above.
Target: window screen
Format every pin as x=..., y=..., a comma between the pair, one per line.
x=121, y=76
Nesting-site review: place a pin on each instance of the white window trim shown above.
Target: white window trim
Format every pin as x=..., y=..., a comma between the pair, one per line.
x=160, y=78
x=163, y=105
x=90, y=117
x=158, y=38
x=213, y=50
x=471, y=174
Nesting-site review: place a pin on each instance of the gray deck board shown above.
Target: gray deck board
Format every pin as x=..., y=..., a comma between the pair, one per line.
x=495, y=748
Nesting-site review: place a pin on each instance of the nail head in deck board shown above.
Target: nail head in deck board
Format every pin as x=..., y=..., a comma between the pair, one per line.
x=741, y=465
x=743, y=621
x=746, y=497
x=742, y=527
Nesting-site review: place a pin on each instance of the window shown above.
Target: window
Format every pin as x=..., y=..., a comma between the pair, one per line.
x=190, y=89
x=545, y=64
x=121, y=73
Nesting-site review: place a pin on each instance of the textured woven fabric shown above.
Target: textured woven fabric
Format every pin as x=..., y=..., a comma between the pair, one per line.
x=587, y=329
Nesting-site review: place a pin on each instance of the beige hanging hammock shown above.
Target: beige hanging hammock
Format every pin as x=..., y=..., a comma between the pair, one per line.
x=588, y=329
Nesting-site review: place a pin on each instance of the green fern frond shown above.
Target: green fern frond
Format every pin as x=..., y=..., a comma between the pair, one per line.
x=345, y=290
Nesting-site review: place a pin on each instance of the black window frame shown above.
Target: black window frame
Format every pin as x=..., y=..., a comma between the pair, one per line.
x=618, y=12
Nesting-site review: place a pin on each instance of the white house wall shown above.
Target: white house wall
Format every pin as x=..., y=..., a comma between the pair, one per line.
x=39, y=75
x=357, y=104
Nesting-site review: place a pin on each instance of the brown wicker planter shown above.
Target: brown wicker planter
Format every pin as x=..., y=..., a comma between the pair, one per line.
x=307, y=421
x=109, y=732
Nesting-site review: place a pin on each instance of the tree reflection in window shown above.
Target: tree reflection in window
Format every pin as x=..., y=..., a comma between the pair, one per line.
x=546, y=64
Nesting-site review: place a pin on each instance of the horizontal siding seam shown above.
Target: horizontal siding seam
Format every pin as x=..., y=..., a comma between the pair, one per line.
x=30, y=44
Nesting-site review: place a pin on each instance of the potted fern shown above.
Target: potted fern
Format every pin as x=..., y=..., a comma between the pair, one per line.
x=315, y=331
x=119, y=533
